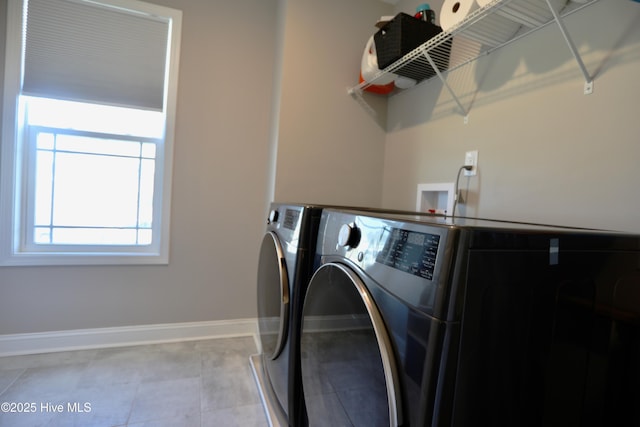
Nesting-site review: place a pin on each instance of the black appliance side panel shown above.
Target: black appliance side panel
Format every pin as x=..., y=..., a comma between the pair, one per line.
x=616, y=368
x=304, y=270
x=549, y=341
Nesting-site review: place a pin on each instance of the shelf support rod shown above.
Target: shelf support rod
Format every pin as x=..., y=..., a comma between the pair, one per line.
x=444, y=82
x=357, y=95
x=572, y=47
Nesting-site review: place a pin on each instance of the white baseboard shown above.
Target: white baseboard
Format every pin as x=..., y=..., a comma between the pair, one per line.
x=84, y=339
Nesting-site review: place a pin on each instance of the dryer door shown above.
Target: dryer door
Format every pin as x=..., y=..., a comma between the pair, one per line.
x=348, y=366
x=273, y=296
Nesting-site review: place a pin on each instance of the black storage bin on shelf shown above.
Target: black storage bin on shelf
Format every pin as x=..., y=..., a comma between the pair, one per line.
x=403, y=34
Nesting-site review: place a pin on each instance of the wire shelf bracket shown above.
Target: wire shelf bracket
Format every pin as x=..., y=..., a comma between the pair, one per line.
x=588, y=84
x=465, y=112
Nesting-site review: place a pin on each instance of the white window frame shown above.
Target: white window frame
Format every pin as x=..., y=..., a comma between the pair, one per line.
x=14, y=249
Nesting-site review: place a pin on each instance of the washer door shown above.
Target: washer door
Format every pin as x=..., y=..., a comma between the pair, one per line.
x=349, y=373
x=273, y=296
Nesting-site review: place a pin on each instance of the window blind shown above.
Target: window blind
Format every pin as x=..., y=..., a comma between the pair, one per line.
x=83, y=51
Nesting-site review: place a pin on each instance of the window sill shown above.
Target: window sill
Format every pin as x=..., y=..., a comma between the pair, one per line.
x=26, y=259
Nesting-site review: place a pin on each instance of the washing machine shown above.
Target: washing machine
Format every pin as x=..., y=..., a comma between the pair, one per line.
x=424, y=321
x=286, y=263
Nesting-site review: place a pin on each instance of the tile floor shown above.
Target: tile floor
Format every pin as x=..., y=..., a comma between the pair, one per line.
x=186, y=384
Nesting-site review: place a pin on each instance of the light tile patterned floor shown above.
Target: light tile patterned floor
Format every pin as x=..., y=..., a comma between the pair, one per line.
x=187, y=384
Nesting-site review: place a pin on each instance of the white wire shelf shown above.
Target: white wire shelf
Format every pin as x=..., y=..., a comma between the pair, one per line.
x=478, y=35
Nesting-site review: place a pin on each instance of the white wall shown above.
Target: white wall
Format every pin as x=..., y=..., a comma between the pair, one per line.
x=219, y=193
x=547, y=153
x=329, y=149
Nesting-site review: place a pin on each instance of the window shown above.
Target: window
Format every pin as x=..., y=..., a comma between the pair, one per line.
x=87, y=137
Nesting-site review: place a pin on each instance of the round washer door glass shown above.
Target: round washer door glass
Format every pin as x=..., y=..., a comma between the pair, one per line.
x=273, y=296
x=349, y=374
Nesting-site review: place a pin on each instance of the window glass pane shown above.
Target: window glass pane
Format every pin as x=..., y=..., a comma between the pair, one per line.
x=94, y=118
x=45, y=141
x=147, y=170
x=85, y=144
x=92, y=193
x=44, y=187
x=95, y=190
x=42, y=235
x=149, y=150
x=144, y=237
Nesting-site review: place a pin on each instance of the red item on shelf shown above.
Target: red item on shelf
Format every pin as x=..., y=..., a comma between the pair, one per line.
x=379, y=89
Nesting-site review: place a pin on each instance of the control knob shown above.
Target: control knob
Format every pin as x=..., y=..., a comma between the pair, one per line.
x=273, y=217
x=349, y=236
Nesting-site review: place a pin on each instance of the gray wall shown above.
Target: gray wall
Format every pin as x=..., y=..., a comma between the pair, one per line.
x=240, y=60
x=3, y=31
x=329, y=149
x=547, y=152
x=220, y=181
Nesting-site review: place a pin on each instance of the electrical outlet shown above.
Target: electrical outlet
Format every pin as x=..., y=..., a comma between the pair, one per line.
x=471, y=159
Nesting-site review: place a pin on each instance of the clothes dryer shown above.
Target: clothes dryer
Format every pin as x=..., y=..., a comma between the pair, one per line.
x=285, y=266
x=417, y=321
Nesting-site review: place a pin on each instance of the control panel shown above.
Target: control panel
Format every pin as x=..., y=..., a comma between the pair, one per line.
x=410, y=251
x=405, y=255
